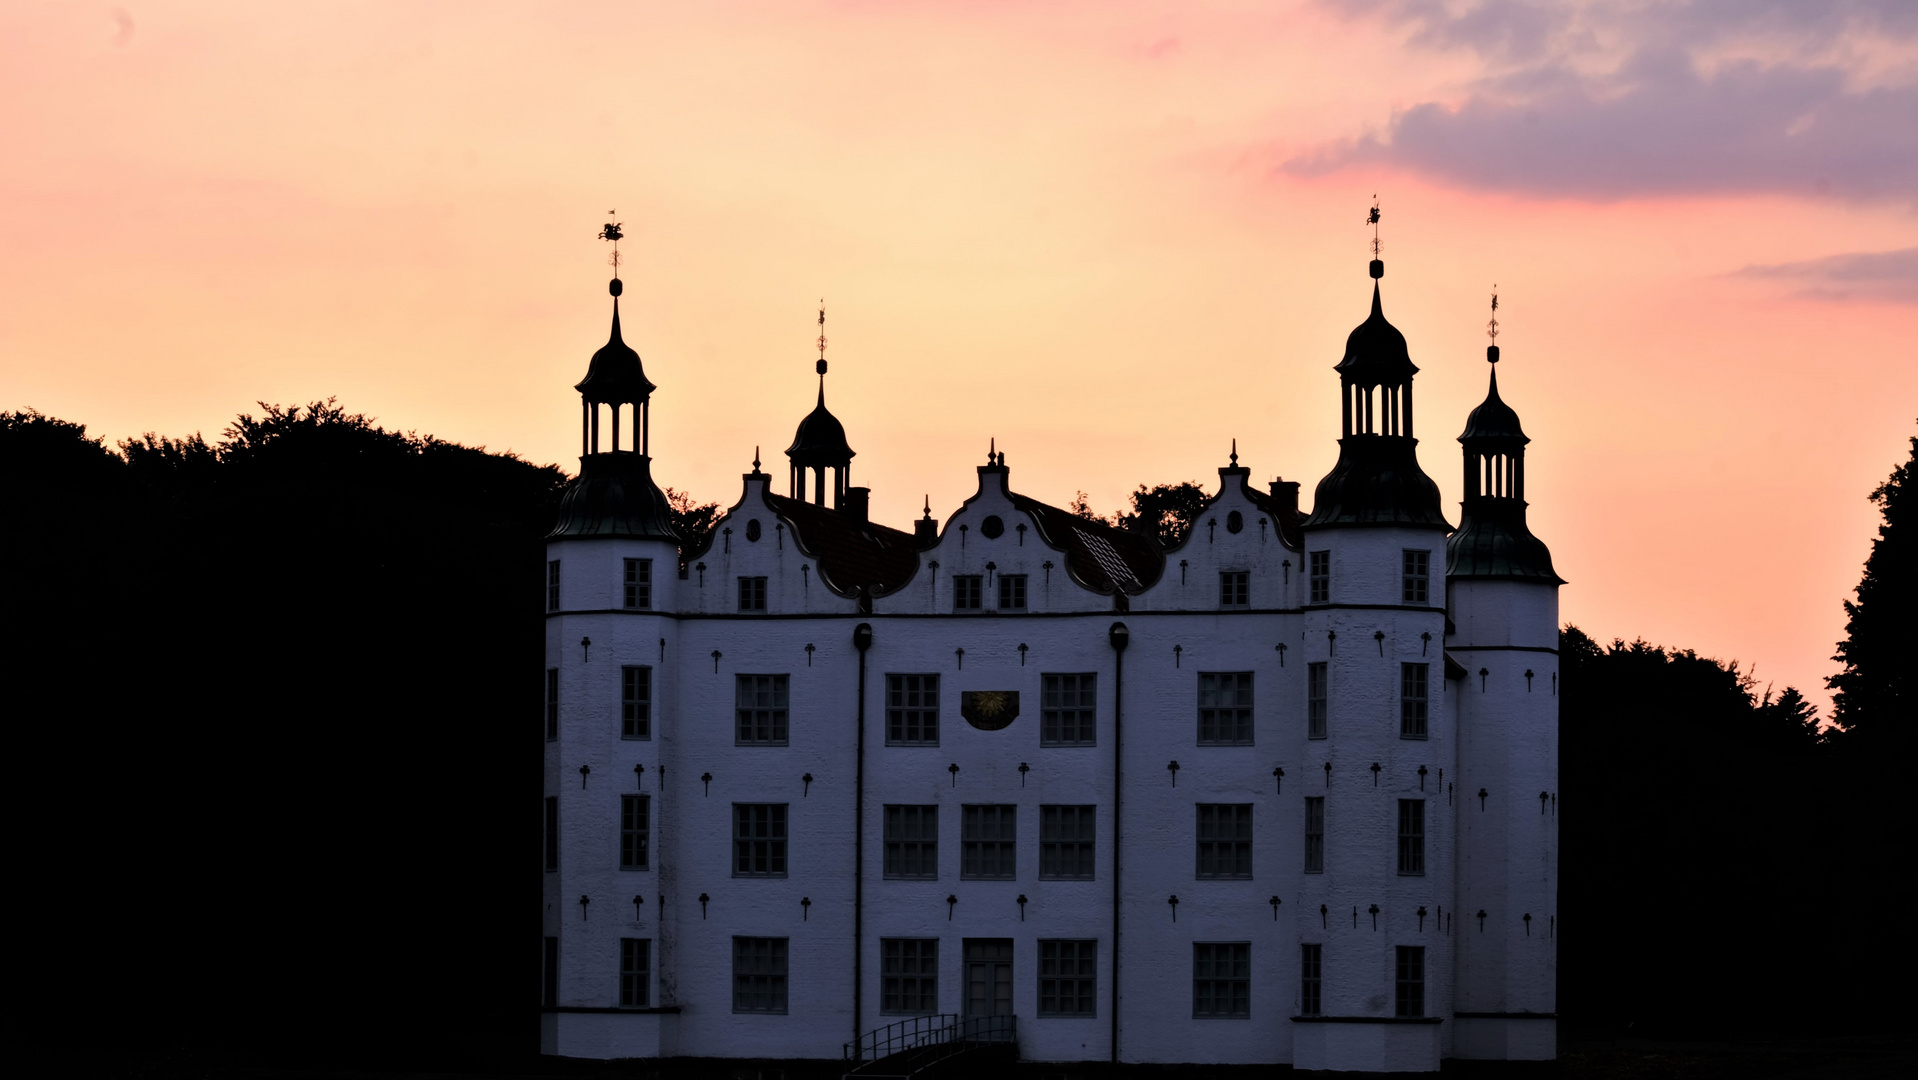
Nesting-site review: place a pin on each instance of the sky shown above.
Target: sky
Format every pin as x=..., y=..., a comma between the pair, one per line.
x=1111, y=236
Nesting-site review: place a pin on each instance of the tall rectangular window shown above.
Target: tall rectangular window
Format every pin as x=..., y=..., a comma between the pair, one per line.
x=639, y=583
x=759, y=975
x=1418, y=577
x=1413, y=679
x=912, y=710
x=1225, y=840
x=1412, y=837
x=635, y=703
x=634, y=814
x=988, y=841
x=1066, y=842
x=1320, y=579
x=552, y=832
x=1410, y=999
x=909, y=976
x=635, y=972
x=1311, y=977
x=1221, y=979
x=549, y=972
x=1012, y=592
x=912, y=842
x=752, y=594
x=1225, y=708
x=552, y=585
x=759, y=839
x=1067, y=708
x=1235, y=588
x=1315, y=700
x=552, y=704
x=1068, y=977
x=967, y=591
x=1315, y=834
x=760, y=710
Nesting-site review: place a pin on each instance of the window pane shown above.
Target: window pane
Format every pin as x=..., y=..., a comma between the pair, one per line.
x=912, y=710
x=1067, y=708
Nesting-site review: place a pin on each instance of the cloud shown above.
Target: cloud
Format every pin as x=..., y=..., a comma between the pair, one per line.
x=1865, y=275
x=1607, y=100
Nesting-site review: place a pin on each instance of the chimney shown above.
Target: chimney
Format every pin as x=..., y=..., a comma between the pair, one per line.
x=1286, y=494
x=858, y=503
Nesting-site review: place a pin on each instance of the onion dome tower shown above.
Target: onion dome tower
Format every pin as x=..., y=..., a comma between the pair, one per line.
x=820, y=444
x=1493, y=541
x=614, y=495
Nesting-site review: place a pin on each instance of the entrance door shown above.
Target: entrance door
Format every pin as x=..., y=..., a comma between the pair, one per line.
x=988, y=977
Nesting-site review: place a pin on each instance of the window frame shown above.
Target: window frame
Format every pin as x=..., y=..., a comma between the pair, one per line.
x=552, y=585
x=1080, y=984
x=1319, y=577
x=1012, y=592
x=1411, y=837
x=968, y=592
x=635, y=973
x=1318, y=698
x=1408, y=982
x=1415, y=700
x=1060, y=838
x=549, y=972
x=1206, y=979
x=551, y=828
x=977, y=841
x=924, y=718
x=635, y=832
x=746, y=715
x=752, y=592
x=746, y=845
x=902, y=848
x=1082, y=715
x=1314, y=846
x=552, y=704
x=638, y=585
x=902, y=976
x=636, y=702
x=1241, y=711
x=1235, y=588
x=1226, y=838
x=1415, y=576
x=1311, y=978
x=774, y=961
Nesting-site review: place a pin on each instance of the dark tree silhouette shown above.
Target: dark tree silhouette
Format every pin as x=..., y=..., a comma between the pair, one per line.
x=1874, y=691
x=1165, y=512
x=692, y=519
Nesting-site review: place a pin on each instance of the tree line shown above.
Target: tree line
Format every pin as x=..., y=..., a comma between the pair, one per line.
x=273, y=770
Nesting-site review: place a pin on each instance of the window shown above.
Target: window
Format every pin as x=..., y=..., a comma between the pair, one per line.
x=1225, y=840
x=759, y=975
x=1225, y=708
x=1310, y=978
x=1068, y=978
x=752, y=594
x=635, y=955
x=1012, y=592
x=912, y=710
x=966, y=591
x=552, y=704
x=1315, y=834
x=760, y=702
x=759, y=842
x=552, y=585
x=1418, y=577
x=988, y=841
x=549, y=972
x=1412, y=837
x=552, y=832
x=909, y=976
x=1321, y=577
x=639, y=583
x=635, y=703
x=1067, y=709
x=1235, y=588
x=1065, y=842
x=1412, y=701
x=912, y=842
x=1411, y=981
x=1221, y=979
x=1315, y=701
x=634, y=814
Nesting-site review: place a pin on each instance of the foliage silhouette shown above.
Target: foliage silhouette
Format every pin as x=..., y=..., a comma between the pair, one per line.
x=1874, y=691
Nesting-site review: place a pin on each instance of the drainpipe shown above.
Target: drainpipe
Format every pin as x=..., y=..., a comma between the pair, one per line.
x=861, y=640
x=1120, y=637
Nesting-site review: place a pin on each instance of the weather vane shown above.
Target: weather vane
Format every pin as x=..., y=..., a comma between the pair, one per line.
x=1491, y=328
x=822, y=343
x=1372, y=219
x=614, y=232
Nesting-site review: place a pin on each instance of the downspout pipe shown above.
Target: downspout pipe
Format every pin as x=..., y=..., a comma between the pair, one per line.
x=1120, y=637
x=861, y=640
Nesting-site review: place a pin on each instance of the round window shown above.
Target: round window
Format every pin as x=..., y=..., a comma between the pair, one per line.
x=1234, y=521
x=992, y=527
x=752, y=529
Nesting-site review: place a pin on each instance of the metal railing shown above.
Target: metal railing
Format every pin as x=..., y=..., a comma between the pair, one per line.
x=911, y=1046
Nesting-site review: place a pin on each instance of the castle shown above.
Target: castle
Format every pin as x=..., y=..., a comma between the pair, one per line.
x=1285, y=792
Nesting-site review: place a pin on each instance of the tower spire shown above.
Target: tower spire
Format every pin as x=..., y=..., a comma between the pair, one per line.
x=1372, y=219
x=1491, y=329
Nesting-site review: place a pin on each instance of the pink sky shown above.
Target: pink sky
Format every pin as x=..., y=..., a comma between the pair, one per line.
x=1111, y=236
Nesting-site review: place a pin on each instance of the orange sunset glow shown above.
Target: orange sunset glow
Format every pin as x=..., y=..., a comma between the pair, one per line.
x=1111, y=236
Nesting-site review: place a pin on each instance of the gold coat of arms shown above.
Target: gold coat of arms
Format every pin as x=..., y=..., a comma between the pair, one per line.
x=989, y=710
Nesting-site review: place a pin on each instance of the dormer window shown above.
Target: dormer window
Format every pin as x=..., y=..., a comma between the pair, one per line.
x=967, y=592
x=1235, y=588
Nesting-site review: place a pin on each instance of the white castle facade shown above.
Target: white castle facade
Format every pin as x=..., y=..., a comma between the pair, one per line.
x=1283, y=793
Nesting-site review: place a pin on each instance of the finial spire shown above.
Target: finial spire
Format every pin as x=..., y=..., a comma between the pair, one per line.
x=613, y=231
x=822, y=344
x=755, y=460
x=928, y=504
x=1491, y=330
x=1235, y=453
x=1372, y=219
x=992, y=451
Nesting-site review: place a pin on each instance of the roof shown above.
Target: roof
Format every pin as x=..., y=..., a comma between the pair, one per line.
x=854, y=556
x=1375, y=352
x=614, y=497
x=1377, y=481
x=1494, y=543
x=821, y=438
x=1493, y=419
x=1099, y=556
x=615, y=376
